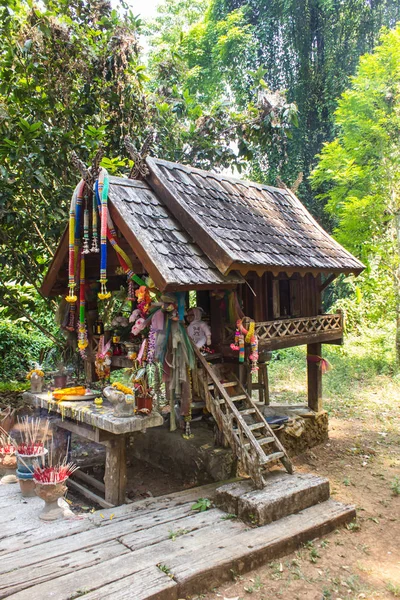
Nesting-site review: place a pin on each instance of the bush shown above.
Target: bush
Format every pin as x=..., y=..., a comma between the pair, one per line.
x=19, y=348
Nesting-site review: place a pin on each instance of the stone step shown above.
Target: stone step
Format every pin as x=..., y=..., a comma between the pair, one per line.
x=282, y=495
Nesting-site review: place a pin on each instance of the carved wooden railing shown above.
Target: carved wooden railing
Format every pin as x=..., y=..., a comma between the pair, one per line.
x=291, y=328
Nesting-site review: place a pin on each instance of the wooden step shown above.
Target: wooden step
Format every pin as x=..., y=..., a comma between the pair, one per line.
x=248, y=411
x=282, y=495
x=257, y=546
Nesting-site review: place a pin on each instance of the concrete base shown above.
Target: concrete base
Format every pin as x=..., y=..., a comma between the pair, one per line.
x=283, y=495
x=196, y=461
x=310, y=429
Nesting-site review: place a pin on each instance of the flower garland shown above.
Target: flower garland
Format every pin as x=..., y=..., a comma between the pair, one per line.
x=102, y=361
x=38, y=372
x=249, y=336
x=123, y=388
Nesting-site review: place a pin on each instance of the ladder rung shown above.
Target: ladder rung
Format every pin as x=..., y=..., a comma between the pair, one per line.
x=262, y=441
x=274, y=456
x=256, y=426
x=248, y=411
x=233, y=398
x=225, y=385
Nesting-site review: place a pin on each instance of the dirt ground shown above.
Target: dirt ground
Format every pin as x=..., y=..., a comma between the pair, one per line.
x=361, y=561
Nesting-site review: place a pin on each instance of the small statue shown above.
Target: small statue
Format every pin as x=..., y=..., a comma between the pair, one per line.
x=36, y=377
x=124, y=404
x=198, y=330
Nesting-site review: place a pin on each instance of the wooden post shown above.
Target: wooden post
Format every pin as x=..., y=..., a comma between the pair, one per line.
x=314, y=379
x=265, y=383
x=115, y=475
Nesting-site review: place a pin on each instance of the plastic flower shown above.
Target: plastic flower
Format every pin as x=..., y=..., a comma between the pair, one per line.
x=104, y=296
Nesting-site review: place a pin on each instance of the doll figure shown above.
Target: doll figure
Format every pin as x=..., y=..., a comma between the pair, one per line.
x=197, y=330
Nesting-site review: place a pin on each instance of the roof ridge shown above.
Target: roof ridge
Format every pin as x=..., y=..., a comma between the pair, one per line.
x=219, y=176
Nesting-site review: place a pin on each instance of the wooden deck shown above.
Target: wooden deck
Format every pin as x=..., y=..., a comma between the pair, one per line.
x=154, y=549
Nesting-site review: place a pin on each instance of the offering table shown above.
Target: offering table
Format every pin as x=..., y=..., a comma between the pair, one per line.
x=98, y=424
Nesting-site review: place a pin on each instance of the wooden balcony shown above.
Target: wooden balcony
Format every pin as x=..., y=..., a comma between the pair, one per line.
x=284, y=333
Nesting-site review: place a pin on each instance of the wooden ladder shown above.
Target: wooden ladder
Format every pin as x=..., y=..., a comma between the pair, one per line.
x=252, y=439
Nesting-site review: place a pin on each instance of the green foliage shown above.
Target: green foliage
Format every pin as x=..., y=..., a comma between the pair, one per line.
x=358, y=176
x=202, y=504
x=14, y=386
x=72, y=78
x=308, y=48
x=19, y=349
x=361, y=381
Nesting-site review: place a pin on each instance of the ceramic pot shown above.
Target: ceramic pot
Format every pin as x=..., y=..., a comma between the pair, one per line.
x=8, y=463
x=60, y=381
x=25, y=471
x=50, y=493
x=144, y=404
x=25, y=461
x=26, y=485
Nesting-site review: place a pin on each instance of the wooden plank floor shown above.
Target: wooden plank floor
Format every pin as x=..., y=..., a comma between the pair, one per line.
x=157, y=548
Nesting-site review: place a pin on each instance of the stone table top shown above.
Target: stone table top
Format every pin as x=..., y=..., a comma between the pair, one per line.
x=87, y=412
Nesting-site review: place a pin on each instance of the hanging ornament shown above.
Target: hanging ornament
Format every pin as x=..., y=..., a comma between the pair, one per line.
x=95, y=235
x=243, y=336
x=241, y=348
x=82, y=331
x=131, y=291
x=74, y=233
x=102, y=194
x=86, y=228
x=71, y=321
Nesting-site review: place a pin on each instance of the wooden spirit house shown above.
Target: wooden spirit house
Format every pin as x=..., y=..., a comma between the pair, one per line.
x=196, y=231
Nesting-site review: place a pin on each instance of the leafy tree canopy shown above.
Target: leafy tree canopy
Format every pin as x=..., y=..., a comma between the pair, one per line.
x=72, y=77
x=358, y=174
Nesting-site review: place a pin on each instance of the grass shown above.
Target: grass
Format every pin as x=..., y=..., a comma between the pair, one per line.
x=395, y=486
x=363, y=380
x=393, y=589
x=14, y=386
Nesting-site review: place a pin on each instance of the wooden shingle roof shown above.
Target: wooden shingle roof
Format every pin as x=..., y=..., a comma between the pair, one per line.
x=242, y=225
x=165, y=249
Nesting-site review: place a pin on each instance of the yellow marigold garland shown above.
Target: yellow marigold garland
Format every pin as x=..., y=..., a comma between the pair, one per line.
x=122, y=388
x=38, y=372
